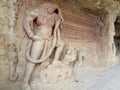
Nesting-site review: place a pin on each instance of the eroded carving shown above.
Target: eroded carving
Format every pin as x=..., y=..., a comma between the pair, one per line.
x=79, y=62
x=70, y=56
x=42, y=26
x=12, y=54
x=62, y=69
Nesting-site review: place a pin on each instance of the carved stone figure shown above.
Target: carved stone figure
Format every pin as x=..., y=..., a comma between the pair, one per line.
x=79, y=61
x=55, y=72
x=13, y=61
x=62, y=69
x=42, y=26
x=70, y=55
x=79, y=64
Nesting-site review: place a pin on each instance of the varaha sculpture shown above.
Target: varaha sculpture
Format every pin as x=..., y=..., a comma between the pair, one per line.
x=42, y=25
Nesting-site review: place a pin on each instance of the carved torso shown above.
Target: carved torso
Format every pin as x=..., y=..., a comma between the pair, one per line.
x=45, y=23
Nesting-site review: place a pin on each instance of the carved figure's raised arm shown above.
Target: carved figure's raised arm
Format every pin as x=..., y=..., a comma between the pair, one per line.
x=28, y=22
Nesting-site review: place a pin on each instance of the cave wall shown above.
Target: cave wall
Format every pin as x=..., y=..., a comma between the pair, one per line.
x=91, y=34
x=86, y=32
x=82, y=30
x=4, y=30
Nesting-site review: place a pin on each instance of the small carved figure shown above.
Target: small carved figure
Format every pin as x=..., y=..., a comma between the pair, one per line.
x=70, y=55
x=62, y=69
x=12, y=54
x=42, y=26
x=79, y=61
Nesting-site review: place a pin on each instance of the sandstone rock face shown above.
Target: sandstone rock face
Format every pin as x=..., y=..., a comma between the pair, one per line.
x=88, y=27
x=60, y=70
x=4, y=25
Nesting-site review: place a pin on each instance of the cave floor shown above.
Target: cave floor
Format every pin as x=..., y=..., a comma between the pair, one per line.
x=88, y=78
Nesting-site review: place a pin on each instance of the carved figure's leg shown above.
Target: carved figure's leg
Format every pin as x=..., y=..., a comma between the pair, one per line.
x=36, y=51
x=58, y=51
x=13, y=74
x=46, y=62
x=13, y=62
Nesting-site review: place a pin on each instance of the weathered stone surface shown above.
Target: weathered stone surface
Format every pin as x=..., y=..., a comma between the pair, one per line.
x=4, y=25
x=93, y=35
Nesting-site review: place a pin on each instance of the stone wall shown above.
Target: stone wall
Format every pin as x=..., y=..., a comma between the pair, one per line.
x=79, y=29
x=92, y=35
x=4, y=28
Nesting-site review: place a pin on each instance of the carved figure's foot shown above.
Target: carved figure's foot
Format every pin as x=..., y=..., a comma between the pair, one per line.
x=45, y=64
x=25, y=86
x=13, y=76
x=55, y=62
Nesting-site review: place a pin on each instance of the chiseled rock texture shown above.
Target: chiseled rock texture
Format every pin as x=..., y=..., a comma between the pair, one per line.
x=4, y=28
x=89, y=26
